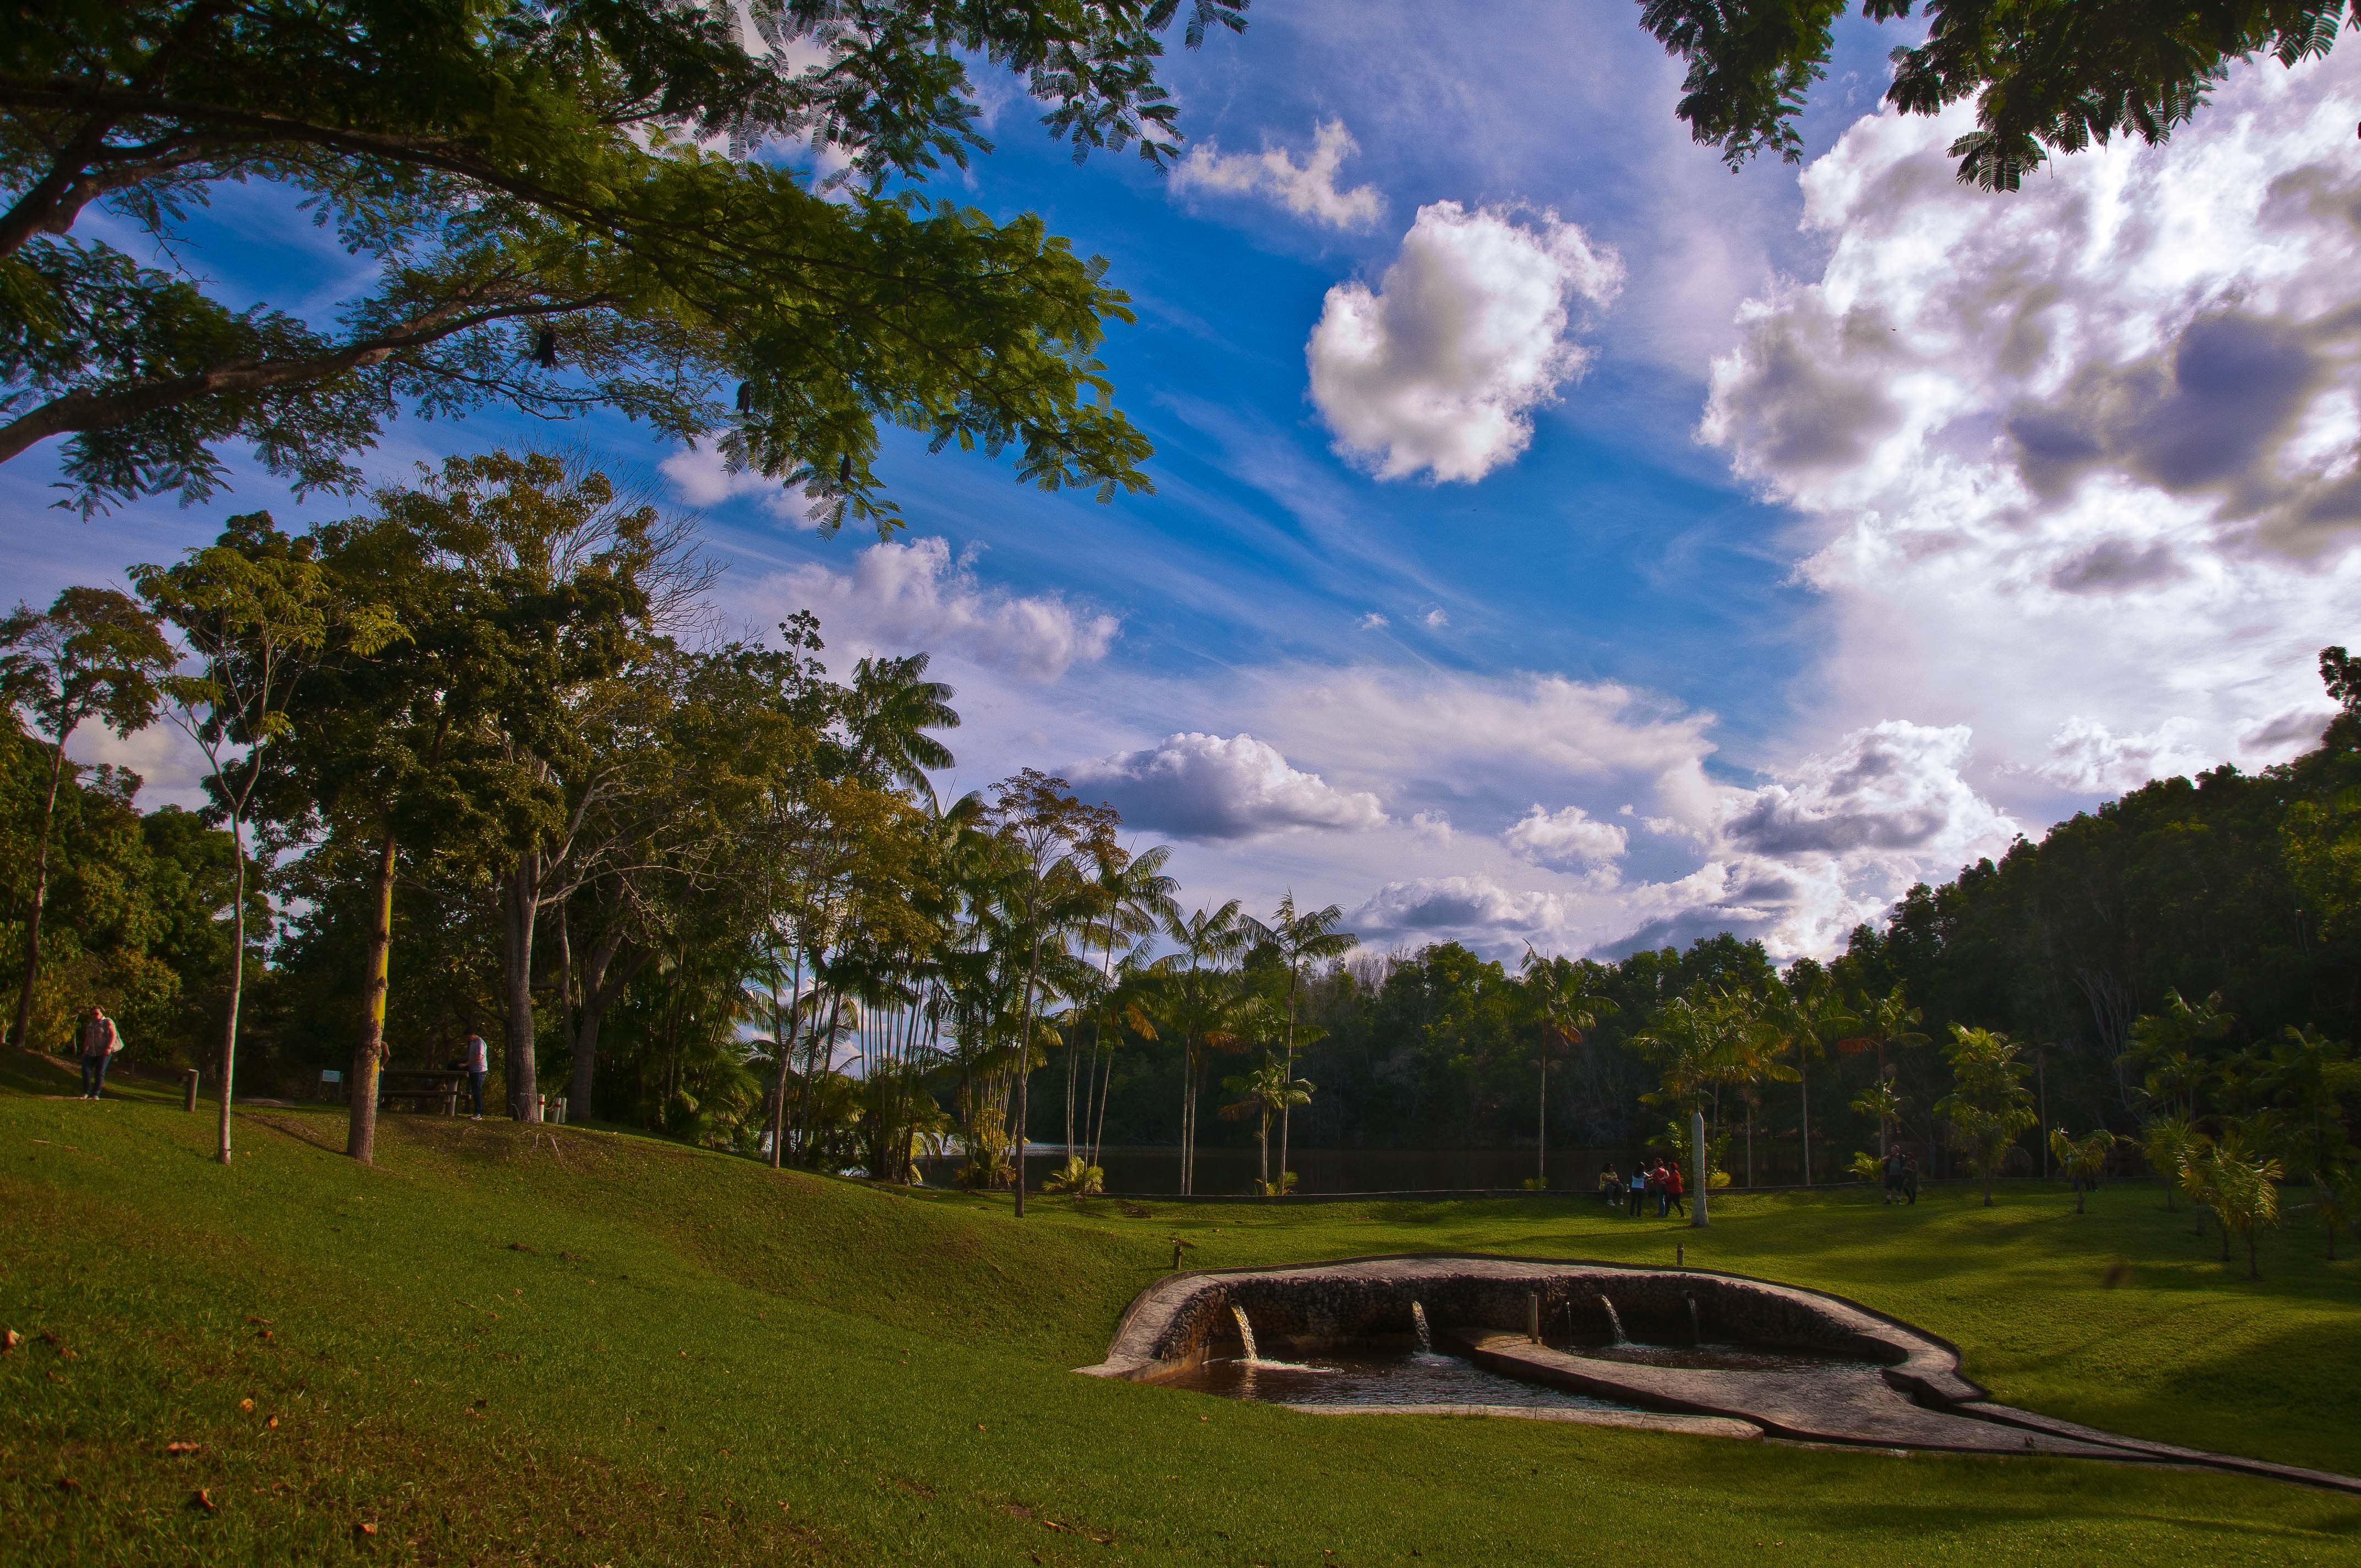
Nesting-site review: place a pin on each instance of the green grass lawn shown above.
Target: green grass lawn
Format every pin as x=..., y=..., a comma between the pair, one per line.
x=560, y=1346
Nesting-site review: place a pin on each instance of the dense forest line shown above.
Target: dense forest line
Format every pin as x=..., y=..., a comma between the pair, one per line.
x=478, y=767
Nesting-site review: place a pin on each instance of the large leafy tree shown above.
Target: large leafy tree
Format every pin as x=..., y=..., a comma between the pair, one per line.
x=2049, y=76
x=562, y=203
x=94, y=654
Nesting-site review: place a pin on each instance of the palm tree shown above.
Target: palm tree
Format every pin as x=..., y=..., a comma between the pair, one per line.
x=1266, y=1091
x=887, y=710
x=1198, y=1002
x=2081, y=1161
x=1989, y=1105
x=1129, y=1005
x=1567, y=1004
x=1811, y=1017
x=2170, y=1044
x=1888, y=1020
x=1045, y=830
x=2245, y=1193
x=2165, y=1140
x=1301, y=937
x=1131, y=896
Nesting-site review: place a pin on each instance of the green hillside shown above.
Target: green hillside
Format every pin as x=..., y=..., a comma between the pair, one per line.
x=554, y=1345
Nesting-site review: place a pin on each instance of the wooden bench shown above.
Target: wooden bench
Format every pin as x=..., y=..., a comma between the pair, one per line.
x=432, y=1090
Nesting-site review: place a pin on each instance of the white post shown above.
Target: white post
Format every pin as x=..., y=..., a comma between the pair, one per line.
x=1697, y=1143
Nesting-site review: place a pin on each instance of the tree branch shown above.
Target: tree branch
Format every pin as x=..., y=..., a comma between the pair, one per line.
x=81, y=411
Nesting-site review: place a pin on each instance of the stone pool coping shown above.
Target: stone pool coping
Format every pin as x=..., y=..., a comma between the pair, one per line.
x=1912, y=1398
x=1645, y=1421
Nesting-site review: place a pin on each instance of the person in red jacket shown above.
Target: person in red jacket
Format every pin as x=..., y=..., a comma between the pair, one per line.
x=1673, y=1190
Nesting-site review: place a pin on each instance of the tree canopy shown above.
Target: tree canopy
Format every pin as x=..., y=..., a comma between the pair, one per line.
x=2049, y=76
x=564, y=204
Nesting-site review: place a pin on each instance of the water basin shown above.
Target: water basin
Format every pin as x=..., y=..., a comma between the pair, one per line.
x=1370, y=1376
x=1717, y=1358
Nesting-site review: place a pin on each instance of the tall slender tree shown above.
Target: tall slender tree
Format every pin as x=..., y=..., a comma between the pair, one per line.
x=1302, y=939
x=253, y=611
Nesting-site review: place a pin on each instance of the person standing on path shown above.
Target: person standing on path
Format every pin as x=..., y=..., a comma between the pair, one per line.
x=1672, y=1190
x=100, y=1041
x=476, y=1060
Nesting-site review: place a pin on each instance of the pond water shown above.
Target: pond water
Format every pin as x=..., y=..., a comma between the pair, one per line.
x=1370, y=1376
x=1716, y=1357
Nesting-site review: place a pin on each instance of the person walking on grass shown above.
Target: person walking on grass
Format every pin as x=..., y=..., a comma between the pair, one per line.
x=475, y=1059
x=1672, y=1190
x=1909, y=1180
x=1639, y=1186
x=100, y=1041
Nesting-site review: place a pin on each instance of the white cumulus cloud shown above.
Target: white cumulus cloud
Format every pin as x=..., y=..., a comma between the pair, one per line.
x=903, y=598
x=1568, y=837
x=1439, y=367
x=2088, y=758
x=1476, y=910
x=1307, y=188
x=1892, y=787
x=1201, y=786
x=2080, y=466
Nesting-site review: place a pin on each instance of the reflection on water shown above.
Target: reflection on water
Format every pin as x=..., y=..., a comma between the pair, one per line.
x=1716, y=1357
x=1368, y=1378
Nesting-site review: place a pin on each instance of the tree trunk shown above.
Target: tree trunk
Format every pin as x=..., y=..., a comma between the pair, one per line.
x=236, y=983
x=1025, y=1067
x=782, y=1044
x=368, y=1055
x=22, y=1033
x=520, y=907
x=1285, y=1112
x=600, y=986
x=1540, y=1137
x=1803, y=1078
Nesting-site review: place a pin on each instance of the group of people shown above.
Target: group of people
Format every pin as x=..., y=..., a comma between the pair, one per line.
x=1901, y=1177
x=1659, y=1182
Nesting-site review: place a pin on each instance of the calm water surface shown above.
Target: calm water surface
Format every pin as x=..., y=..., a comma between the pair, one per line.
x=1407, y=1377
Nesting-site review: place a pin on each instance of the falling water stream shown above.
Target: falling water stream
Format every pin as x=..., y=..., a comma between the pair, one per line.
x=1697, y=1324
x=1426, y=1337
x=1245, y=1333
x=1614, y=1320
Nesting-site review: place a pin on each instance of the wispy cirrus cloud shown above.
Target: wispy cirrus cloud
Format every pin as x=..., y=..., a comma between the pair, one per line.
x=1307, y=187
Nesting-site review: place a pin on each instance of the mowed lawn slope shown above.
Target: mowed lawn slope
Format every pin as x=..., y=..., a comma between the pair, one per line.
x=562, y=1346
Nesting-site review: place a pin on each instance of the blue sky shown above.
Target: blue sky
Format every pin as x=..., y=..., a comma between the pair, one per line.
x=1778, y=606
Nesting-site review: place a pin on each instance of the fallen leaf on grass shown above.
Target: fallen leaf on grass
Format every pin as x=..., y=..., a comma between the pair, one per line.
x=271, y=1425
x=204, y=1499
x=1019, y=1511
x=183, y=1447
x=9, y=1340
x=365, y=1527
x=245, y=1404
